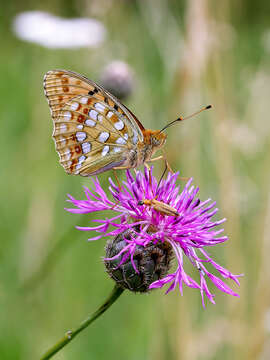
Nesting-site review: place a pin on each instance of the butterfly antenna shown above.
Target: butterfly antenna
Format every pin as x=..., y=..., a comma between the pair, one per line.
x=185, y=118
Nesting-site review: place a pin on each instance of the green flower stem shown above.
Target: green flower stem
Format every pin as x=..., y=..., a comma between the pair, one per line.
x=70, y=335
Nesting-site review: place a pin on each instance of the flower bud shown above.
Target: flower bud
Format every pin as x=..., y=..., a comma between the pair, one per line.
x=152, y=262
x=118, y=78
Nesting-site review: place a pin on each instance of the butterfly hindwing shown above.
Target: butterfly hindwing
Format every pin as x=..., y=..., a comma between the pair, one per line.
x=90, y=135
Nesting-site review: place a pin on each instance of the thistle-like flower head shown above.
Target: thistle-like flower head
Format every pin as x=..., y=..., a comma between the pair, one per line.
x=188, y=233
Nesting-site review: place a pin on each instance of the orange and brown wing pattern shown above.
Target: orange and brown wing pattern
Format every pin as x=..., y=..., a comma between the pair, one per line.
x=60, y=86
x=92, y=136
x=93, y=131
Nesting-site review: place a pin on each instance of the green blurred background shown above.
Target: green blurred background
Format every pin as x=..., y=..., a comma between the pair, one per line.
x=184, y=54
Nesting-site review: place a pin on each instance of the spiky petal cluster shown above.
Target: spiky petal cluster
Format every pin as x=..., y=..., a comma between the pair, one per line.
x=189, y=233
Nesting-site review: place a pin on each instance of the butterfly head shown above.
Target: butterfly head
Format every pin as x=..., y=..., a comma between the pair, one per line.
x=157, y=139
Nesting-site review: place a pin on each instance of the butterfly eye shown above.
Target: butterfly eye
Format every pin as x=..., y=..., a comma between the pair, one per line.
x=156, y=141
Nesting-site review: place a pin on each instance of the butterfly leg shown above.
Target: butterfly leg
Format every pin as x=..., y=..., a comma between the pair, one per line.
x=183, y=178
x=117, y=180
x=160, y=158
x=121, y=168
x=164, y=172
x=148, y=167
x=150, y=178
x=157, y=158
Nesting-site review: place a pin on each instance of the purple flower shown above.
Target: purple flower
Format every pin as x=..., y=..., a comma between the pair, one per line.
x=188, y=233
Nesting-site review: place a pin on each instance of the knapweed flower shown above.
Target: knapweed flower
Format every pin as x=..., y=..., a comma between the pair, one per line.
x=187, y=233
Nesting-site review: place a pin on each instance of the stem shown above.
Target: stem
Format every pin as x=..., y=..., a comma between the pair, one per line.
x=70, y=335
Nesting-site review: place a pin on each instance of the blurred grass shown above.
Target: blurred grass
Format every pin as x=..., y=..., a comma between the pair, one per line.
x=185, y=54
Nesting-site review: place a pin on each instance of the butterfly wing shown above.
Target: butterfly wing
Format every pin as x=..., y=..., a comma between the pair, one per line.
x=93, y=131
x=61, y=86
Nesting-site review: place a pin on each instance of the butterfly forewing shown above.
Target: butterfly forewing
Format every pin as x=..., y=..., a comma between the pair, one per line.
x=61, y=86
x=93, y=131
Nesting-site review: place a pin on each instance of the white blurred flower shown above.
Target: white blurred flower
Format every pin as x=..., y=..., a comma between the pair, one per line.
x=55, y=32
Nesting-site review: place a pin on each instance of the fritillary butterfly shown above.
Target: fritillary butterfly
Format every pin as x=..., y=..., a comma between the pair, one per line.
x=93, y=131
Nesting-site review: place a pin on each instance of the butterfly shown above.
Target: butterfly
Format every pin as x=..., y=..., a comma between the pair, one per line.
x=93, y=131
